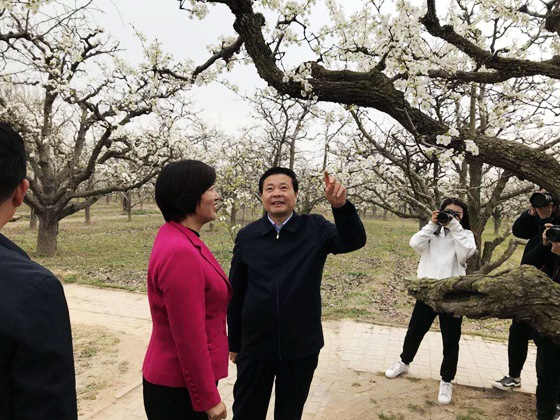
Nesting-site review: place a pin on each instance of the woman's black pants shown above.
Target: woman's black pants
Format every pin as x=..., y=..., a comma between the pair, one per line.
x=420, y=322
x=166, y=403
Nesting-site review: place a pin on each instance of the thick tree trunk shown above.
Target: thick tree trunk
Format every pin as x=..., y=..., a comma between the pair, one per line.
x=33, y=220
x=87, y=212
x=523, y=293
x=126, y=202
x=233, y=215
x=497, y=217
x=127, y=205
x=48, y=235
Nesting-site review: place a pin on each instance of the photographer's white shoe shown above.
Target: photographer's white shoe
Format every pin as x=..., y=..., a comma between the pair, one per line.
x=445, y=392
x=396, y=370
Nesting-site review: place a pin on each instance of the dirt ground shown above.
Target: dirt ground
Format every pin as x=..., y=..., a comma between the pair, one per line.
x=107, y=363
x=365, y=396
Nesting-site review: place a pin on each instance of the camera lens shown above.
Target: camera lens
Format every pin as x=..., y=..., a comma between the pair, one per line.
x=444, y=217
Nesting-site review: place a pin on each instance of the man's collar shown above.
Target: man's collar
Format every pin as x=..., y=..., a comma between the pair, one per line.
x=290, y=224
x=283, y=223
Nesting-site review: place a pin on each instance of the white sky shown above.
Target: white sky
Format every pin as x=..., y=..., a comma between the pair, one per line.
x=183, y=38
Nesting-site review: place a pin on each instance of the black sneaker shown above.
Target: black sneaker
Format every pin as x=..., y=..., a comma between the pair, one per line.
x=507, y=382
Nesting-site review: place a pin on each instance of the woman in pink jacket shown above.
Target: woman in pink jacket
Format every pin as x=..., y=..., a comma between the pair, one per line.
x=188, y=294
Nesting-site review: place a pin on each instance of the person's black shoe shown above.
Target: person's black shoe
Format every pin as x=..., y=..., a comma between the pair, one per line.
x=507, y=383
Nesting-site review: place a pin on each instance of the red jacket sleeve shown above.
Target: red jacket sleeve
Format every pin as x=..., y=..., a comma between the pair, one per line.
x=182, y=282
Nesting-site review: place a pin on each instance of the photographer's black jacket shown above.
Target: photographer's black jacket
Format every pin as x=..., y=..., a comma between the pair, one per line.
x=530, y=227
x=275, y=312
x=542, y=258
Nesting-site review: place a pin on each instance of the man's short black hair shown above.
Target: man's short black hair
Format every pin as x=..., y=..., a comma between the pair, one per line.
x=179, y=188
x=279, y=170
x=12, y=160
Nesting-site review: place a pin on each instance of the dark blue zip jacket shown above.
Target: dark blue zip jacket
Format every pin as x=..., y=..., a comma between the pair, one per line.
x=37, y=380
x=275, y=312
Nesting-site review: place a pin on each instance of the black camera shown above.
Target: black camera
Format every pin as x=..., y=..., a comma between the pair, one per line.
x=540, y=199
x=445, y=216
x=553, y=233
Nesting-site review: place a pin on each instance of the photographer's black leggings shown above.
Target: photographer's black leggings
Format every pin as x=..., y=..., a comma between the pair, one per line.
x=420, y=322
x=518, y=344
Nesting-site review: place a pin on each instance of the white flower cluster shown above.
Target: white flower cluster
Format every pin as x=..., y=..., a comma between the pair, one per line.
x=443, y=139
x=301, y=75
x=471, y=147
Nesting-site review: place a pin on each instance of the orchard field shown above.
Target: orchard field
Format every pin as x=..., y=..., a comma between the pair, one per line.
x=365, y=285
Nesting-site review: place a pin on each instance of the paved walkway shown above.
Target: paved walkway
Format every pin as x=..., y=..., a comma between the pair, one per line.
x=349, y=345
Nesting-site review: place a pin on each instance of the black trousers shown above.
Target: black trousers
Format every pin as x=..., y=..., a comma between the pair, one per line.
x=420, y=322
x=518, y=343
x=253, y=387
x=166, y=403
x=548, y=376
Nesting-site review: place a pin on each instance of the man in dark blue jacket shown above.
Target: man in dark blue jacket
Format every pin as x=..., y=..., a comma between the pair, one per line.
x=36, y=362
x=274, y=318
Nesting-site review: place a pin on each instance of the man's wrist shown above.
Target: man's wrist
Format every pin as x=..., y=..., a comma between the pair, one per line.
x=346, y=208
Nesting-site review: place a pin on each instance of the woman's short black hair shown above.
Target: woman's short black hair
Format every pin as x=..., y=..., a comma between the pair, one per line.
x=282, y=171
x=465, y=220
x=179, y=188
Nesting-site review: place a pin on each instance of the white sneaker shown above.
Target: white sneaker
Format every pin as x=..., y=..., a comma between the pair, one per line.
x=397, y=369
x=445, y=392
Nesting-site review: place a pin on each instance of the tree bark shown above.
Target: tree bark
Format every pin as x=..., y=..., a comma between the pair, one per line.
x=87, y=212
x=374, y=89
x=497, y=216
x=523, y=293
x=233, y=215
x=33, y=219
x=48, y=235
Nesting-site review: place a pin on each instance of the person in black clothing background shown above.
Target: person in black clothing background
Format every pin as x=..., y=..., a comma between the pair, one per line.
x=546, y=255
x=274, y=317
x=529, y=225
x=37, y=380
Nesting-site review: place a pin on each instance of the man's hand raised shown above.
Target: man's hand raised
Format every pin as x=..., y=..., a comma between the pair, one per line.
x=335, y=192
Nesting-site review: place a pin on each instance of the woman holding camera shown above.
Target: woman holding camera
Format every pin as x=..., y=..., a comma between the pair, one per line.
x=444, y=244
x=546, y=257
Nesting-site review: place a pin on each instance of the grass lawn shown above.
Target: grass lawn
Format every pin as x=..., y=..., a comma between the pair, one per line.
x=365, y=285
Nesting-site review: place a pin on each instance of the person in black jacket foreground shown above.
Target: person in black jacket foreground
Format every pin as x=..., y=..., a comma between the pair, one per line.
x=529, y=225
x=546, y=255
x=274, y=317
x=36, y=362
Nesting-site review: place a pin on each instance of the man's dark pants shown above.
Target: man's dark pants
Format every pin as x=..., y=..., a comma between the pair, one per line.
x=253, y=387
x=548, y=376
